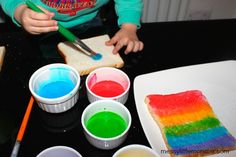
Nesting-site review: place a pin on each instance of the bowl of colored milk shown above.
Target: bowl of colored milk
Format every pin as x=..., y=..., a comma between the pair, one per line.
x=59, y=151
x=107, y=83
x=55, y=87
x=106, y=123
x=135, y=150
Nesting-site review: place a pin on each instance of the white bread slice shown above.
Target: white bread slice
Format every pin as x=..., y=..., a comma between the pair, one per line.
x=85, y=64
x=2, y=54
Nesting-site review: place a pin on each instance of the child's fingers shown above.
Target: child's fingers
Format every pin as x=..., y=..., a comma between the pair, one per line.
x=117, y=47
x=43, y=23
x=112, y=41
x=40, y=26
x=129, y=47
x=134, y=46
x=39, y=30
x=51, y=14
x=41, y=16
x=141, y=46
x=137, y=46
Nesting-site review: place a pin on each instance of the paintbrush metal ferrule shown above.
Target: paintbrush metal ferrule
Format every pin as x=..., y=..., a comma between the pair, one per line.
x=15, y=149
x=84, y=46
x=86, y=50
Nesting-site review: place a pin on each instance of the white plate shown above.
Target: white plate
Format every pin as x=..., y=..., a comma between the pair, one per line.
x=216, y=80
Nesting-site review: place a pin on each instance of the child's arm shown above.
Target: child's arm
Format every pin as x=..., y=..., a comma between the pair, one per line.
x=126, y=36
x=33, y=22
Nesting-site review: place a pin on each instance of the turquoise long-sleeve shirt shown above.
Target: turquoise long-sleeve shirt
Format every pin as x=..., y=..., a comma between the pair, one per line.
x=74, y=12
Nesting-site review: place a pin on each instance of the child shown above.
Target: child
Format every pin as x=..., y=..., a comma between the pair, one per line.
x=71, y=13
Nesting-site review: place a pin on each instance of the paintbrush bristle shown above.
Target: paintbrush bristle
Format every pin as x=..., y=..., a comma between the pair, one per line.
x=97, y=56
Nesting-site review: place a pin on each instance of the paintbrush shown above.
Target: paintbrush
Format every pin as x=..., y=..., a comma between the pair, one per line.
x=69, y=35
x=21, y=131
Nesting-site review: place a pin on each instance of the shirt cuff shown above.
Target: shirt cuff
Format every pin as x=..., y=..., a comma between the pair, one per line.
x=130, y=17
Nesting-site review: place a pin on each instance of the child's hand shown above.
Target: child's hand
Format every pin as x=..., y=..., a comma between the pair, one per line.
x=126, y=36
x=33, y=22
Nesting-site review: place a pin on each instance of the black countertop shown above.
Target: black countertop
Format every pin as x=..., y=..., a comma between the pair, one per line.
x=167, y=45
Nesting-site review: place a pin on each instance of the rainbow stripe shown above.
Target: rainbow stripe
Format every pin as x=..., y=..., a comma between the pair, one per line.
x=189, y=123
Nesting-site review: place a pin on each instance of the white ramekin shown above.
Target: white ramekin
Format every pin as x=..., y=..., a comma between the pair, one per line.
x=60, y=104
x=106, y=105
x=108, y=73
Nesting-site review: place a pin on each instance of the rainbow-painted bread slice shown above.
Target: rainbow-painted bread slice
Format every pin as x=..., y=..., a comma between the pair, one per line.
x=188, y=124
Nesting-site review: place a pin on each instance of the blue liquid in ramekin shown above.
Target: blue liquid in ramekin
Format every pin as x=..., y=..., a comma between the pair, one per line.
x=59, y=83
x=56, y=89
